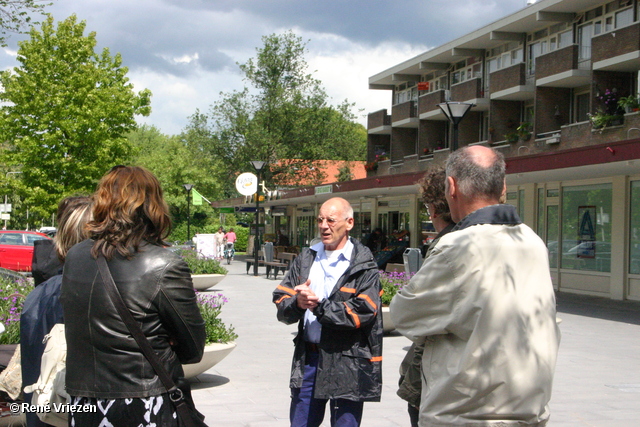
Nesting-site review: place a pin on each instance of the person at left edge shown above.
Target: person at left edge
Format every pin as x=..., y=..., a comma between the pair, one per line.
x=333, y=291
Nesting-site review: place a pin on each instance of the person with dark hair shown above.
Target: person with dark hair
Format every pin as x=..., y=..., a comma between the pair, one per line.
x=105, y=366
x=432, y=195
x=42, y=308
x=483, y=304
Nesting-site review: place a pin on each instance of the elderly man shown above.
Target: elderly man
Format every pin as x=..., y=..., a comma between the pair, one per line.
x=333, y=291
x=484, y=303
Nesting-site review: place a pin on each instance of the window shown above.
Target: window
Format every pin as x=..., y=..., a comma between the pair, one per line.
x=534, y=52
x=634, y=229
x=582, y=107
x=585, y=32
x=624, y=18
x=565, y=39
x=586, y=227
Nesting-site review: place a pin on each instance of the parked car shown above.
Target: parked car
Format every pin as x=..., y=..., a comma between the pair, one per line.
x=10, y=275
x=16, y=248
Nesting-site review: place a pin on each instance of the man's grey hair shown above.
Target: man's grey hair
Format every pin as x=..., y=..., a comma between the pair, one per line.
x=474, y=179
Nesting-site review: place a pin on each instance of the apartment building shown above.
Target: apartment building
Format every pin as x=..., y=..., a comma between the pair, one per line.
x=545, y=84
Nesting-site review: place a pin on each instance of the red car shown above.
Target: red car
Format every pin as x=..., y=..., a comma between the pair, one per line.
x=16, y=248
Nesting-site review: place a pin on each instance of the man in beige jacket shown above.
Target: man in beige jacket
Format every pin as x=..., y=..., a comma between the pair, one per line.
x=483, y=303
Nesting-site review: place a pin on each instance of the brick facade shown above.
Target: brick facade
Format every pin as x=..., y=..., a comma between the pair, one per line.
x=612, y=44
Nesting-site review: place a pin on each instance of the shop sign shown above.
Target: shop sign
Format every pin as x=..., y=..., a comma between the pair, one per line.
x=324, y=189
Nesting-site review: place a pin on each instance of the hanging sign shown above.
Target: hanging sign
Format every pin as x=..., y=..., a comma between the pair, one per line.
x=247, y=184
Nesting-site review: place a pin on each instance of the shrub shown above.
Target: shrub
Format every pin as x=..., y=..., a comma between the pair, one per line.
x=210, y=307
x=12, y=295
x=391, y=283
x=201, y=265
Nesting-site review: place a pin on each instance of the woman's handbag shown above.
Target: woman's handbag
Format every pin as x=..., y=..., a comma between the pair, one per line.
x=188, y=415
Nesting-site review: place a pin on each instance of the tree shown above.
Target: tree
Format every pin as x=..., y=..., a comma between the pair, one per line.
x=284, y=119
x=66, y=115
x=15, y=16
x=178, y=160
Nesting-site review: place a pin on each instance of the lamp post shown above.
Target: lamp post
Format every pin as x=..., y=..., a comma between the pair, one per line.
x=455, y=112
x=5, y=196
x=188, y=187
x=258, y=165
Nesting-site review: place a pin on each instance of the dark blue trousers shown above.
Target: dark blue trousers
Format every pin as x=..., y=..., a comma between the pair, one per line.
x=306, y=411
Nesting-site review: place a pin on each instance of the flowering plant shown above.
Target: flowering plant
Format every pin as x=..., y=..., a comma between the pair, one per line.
x=391, y=283
x=201, y=265
x=210, y=308
x=12, y=295
x=372, y=166
x=610, y=102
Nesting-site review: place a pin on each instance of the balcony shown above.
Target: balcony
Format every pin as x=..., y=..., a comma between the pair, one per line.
x=618, y=50
x=379, y=123
x=510, y=84
x=428, y=106
x=405, y=115
x=470, y=91
x=560, y=68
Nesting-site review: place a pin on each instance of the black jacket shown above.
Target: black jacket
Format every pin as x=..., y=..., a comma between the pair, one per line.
x=350, y=364
x=103, y=359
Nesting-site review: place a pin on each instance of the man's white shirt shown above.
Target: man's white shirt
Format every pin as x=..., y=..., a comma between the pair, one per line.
x=327, y=268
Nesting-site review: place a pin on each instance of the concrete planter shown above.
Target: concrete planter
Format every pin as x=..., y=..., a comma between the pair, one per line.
x=387, y=323
x=202, y=282
x=213, y=354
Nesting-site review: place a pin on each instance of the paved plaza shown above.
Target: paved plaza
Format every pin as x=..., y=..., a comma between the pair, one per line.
x=597, y=382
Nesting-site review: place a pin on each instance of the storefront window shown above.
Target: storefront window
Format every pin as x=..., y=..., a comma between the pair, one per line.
x=307, y=230
x=541, y=226
x=634, y=229
x=586, y=227
x=361, y=226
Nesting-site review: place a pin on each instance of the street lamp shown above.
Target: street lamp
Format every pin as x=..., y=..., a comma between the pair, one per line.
x=455, y=112
x=258, y=165
x=188, y=187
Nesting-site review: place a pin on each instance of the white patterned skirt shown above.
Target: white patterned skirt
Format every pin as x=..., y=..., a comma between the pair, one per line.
x=152, y=411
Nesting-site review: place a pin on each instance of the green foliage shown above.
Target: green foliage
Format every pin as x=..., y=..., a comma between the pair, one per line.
x=15, y=15
x=285, y=117
x=66, y=111
x=12, y=295
x=177, y=160
x=201, y=265
x=344, y=173
x=391, y=283
x=216, y=330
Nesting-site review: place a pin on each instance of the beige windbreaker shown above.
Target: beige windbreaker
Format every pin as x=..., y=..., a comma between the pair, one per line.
x=485, y=304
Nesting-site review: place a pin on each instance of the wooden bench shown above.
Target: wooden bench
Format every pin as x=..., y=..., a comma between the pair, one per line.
x=252, y=261
x=283, y=263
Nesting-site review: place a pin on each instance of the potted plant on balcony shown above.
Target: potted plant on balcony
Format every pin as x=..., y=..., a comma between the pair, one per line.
x=205, y=272
x=601, y=120
x=512, y=136
x=629, y=103
x=524, y=131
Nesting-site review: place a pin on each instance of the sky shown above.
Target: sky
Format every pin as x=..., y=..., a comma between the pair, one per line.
x=186, y=51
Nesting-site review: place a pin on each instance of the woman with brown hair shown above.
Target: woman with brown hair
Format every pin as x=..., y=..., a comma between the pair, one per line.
x=105, y=367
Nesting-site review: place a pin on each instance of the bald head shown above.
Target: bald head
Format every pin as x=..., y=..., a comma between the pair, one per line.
x=335, y=220
x=479, y=172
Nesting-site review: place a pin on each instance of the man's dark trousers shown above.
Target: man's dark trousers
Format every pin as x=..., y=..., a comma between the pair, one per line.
x=309, y=412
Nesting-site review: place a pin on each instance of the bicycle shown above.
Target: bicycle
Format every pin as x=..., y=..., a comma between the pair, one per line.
x=229, y=252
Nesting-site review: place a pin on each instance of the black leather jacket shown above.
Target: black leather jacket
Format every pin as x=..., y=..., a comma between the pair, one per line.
x=103, y=359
